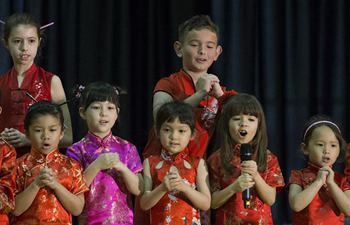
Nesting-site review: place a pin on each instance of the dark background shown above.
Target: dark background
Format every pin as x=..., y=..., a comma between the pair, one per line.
x=292, y=54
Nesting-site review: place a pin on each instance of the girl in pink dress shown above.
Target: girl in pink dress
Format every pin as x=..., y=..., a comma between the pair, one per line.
x=111, y=164
x=175, y=183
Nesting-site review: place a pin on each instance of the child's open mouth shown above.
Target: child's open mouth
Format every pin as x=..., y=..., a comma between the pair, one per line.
x=243, y=133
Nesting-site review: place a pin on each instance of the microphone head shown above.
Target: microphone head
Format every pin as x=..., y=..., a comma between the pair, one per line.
x=246, y=152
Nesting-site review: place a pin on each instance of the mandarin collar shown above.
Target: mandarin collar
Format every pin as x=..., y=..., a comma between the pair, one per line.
x=31, y=69
x=98, y=140
x=313, y=167
x=175, y=158
x=42, y=158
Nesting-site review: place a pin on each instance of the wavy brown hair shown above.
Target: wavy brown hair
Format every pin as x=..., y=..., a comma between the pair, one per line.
x=236, y=105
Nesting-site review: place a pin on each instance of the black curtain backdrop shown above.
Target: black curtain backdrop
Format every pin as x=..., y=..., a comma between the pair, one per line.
x=292, y=54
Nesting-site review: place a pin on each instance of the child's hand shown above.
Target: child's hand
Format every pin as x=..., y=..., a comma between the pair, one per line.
x=175, y=181
x=48, y=178
x=250, y=168
x=243, y=182
x=216, y=90
x=322, y=175
x=205, y=82
x=329, y=177
x=107, y=160
x=14, y=137
x=38, y=182
x=119, y=166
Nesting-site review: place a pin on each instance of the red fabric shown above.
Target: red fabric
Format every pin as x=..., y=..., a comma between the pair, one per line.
x=233, y=211
x=322, y=209
x=180, y=86
x=173, y=207
x=7, y=180
x=15, y=103
x=46, y=207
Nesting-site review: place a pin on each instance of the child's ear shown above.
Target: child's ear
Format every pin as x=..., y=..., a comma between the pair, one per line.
x=304, y=149
x=82, y=112
x=0, y=110
x=178, y=48
x=118, y=110
x=218, y=52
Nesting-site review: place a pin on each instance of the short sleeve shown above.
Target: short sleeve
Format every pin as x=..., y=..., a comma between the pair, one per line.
x=167, y=85
x=7, y=178
x=274, y=176
x=74, y=153
x=295, y=178
x=133, y=159
x=78, y=183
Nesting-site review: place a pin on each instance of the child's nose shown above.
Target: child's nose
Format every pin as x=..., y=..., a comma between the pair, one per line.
x=24, y=46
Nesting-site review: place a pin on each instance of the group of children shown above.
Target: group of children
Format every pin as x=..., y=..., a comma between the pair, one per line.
x=97, y=177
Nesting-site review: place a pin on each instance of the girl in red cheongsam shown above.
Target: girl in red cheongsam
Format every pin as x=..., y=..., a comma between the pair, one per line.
x=242, y=121
x=317, y=194
x=175, y=183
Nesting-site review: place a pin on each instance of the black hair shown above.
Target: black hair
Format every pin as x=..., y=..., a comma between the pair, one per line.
x=101, y=92
x=171, y=111
x=43, y=108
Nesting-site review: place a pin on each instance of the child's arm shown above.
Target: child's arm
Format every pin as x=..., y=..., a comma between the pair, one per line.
x=25, y=199
x=299, y=199
x=266, y=193
x=71, y=202
x=341, y=198
x=132, y=181
x=104, y=161
x=58, y=97
x=200, y=198
x=207, y=83
x=242, y=183
x=151, y=197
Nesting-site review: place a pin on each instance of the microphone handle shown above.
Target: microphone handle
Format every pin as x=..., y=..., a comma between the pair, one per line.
x=246, y=198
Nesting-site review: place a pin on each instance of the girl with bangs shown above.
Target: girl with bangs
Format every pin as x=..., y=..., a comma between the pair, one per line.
x=111, y=164
x=242, y=122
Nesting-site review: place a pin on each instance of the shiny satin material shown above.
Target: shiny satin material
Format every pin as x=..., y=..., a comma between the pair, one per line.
x=108, y=201
x=46, y=207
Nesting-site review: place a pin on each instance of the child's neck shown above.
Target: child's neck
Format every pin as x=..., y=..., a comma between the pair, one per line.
x=22, y=68
x=194, y=75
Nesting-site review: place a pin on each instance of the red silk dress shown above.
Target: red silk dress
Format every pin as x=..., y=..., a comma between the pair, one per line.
x=15, y=100
x=233, y=211
x=180, y=86
x=322, y=209
x=46, y=208
x=174, y=208
x=7, y=180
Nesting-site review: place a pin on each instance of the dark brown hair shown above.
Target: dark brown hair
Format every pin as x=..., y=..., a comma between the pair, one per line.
x=196, y=23
x=236, y=105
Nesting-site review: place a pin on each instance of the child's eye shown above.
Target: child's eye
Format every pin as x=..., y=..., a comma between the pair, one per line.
x=111, y=108
x=32, y=41
x=16, y=41
x=182, y=131
x=95, y=107
x=251, y=119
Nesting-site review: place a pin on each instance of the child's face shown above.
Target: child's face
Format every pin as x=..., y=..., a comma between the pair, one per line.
x=100, y=117
x=323, y=147
x=23, y=44
x=45, y=132
x=174, y=136
x=243, y=128
x=199, y=50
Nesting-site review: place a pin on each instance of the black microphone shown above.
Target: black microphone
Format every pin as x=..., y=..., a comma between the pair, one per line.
x=246, y=153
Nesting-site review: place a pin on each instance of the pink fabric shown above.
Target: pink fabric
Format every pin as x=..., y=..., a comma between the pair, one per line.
x=108, y=201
